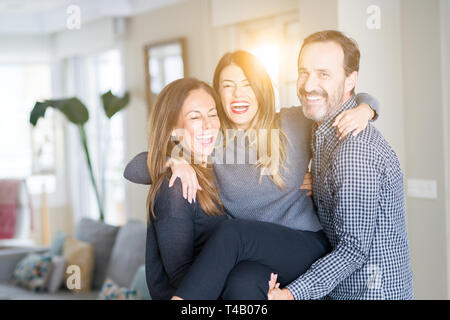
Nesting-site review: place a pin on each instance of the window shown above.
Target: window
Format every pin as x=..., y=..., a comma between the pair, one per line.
x=88, y=78
x=27, y=152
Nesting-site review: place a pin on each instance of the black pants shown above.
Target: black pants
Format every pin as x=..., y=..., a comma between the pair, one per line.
x=236, y=261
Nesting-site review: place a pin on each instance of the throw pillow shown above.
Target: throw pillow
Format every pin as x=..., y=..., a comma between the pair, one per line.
x=57, y=276
x=128, y=253
x=102, y=237
x=57, y=244
x=79, y=254
x=32, y=272
x=140, y=283
x=111, y=291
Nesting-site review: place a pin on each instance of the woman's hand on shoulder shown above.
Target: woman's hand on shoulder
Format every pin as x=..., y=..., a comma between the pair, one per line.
x=355, y=120
x=183, y=170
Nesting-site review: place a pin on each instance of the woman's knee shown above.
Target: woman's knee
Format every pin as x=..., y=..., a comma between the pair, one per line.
x=247, y=281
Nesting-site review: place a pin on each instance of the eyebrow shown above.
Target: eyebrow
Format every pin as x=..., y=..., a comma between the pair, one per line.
x=196, y=111
x=234, y=81
x=320, y=70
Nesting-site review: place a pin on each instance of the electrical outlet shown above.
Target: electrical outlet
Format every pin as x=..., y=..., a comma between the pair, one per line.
x=423, y=189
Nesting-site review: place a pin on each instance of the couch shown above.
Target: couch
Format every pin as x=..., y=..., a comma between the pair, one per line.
x=119, y=255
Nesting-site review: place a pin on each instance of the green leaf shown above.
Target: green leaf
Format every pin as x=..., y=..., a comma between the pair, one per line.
x=112, y=104
x=75, y=111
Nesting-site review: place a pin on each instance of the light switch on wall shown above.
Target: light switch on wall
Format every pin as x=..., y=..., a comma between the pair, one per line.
x=423, y=189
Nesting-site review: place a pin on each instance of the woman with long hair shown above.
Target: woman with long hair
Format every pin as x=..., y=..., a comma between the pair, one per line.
x=184, y=119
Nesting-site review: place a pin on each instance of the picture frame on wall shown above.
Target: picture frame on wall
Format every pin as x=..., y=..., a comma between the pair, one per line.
x=165, y=62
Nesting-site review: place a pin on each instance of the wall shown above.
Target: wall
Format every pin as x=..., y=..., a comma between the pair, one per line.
x=380, y=67
x=235, y=11
x=424, y=144
x=313, y=17
x=444, y=9
x=25, y=48
x=91, y=37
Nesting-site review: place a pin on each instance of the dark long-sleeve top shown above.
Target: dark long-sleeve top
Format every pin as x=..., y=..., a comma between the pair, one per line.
x=176, y=235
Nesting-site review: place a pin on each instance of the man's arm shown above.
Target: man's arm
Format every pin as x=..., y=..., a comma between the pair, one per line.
x=356, y=190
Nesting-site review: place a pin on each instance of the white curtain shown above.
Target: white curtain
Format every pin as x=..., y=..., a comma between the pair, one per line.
x=87, y=77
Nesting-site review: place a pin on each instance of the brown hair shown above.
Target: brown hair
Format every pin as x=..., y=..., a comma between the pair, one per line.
x=162, y=121
x=266, y=116
x=350, y=47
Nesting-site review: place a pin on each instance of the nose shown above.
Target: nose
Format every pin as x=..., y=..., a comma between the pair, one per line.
x=310, y=83
x=206, y=123
x=237, y=91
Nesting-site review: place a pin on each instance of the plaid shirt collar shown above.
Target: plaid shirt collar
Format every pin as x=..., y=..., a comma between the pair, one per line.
x=325, y=129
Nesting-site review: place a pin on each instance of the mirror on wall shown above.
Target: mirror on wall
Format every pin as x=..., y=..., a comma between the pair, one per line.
x=164, y=63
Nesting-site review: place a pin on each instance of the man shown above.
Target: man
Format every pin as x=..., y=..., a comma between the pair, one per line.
x=357, y=188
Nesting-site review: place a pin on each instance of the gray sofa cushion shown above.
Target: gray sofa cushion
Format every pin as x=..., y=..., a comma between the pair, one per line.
x=102, y=237
x=128, y=253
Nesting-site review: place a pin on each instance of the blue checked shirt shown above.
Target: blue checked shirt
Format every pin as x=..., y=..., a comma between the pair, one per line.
x=359, y=194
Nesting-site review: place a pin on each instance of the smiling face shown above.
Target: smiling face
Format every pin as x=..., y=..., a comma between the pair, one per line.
x=238, y=98
x=198, y=124
x=322, y=85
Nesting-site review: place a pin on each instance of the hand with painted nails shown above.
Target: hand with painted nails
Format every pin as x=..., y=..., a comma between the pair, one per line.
x=355, y=120
x=275, y=293
x=183, y=170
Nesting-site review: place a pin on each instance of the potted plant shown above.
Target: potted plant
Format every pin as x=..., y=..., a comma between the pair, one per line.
x=77, y=113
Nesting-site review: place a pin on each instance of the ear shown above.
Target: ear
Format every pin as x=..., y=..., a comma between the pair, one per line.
x=350, y=81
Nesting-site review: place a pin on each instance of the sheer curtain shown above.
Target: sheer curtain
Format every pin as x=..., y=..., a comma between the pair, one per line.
x=88, y=77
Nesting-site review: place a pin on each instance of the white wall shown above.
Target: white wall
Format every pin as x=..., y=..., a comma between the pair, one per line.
x=380, y=66
x=424, y=143
x=91, y=37
x=444, y=9
x=235, y=11
x=25, y=48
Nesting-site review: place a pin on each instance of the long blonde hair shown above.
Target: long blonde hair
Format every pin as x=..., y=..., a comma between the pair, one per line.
x=266, y=117
x=161, y=123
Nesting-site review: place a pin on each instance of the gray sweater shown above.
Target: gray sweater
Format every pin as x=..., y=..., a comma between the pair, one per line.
x=244, y=197
x=238, y=184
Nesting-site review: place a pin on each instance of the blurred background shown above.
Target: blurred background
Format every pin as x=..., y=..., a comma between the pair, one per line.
x=53, y=49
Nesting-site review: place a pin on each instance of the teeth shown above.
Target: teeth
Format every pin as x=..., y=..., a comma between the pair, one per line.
x=314, y=98
x=240, y=105
x=204, y=137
